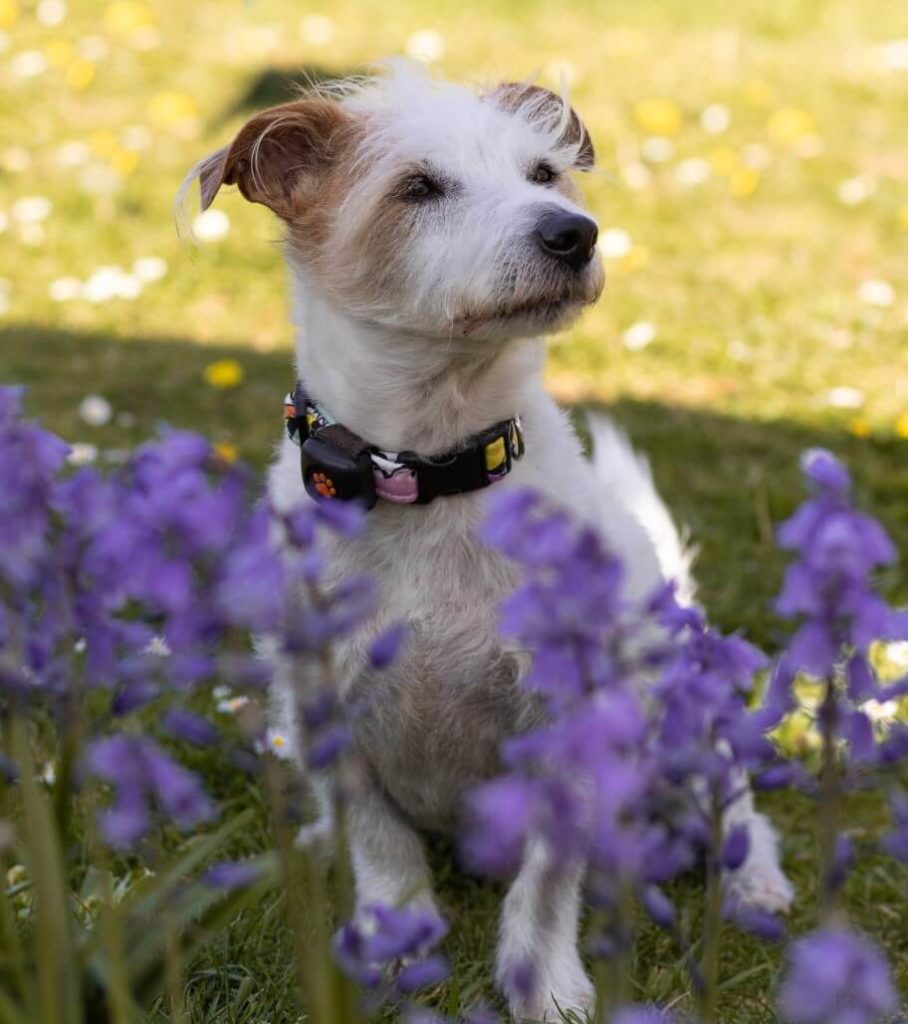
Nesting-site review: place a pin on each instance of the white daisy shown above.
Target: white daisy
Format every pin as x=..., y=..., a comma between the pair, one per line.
x=715, y=119
x=211, y=226
x=28, y=64
x=65, y=289
x=31, y=209
x=149, y=268
x=82, y=454
x=894, y=54
x=72, y=153
x=897, y=653
x=657, y=150
x=876, y=292
x=844, y=398
x=615, y=243
x=638, y=336
x=111, y=282
x=693, y=171
x=854, y=191
x=95, y=410
x=426, y=45
x=317, y=29
x=51, y=12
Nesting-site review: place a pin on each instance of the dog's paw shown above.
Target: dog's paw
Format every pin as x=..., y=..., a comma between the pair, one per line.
x=536, y=996
x=760, y=883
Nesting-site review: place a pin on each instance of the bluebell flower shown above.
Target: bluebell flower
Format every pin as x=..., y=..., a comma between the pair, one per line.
x=371, y=948
x=836, y=977
x=141, y=774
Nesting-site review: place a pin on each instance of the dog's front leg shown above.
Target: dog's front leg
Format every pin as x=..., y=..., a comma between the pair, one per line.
x=389, y=861
x=759, y=883
x=538, y=963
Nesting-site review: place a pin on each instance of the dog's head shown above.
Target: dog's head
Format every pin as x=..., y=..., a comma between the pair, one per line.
x=426, y=207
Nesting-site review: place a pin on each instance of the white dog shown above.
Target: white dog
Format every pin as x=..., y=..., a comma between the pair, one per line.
x=433, y=235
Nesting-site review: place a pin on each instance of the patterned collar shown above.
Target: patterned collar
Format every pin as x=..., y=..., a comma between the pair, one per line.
x=338, y=464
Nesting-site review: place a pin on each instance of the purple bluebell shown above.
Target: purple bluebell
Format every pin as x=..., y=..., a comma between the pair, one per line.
x=141, y=773
x=641, y=1015
x=232, y=875
x=836, y=977
x=192, y=728
x=370, y=948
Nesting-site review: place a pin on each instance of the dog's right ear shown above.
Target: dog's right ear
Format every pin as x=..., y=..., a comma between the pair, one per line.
x=279, y=157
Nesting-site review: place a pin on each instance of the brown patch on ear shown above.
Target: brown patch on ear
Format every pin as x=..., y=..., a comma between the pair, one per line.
x=544, y=103
x=277, y=155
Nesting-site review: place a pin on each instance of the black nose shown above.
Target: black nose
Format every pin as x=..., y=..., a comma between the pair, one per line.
x=568, y=237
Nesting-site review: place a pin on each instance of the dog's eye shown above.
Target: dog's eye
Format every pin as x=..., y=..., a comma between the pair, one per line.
x=420, y=187
x=542, y=174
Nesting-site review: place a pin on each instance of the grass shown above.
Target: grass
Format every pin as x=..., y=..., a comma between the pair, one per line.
x=752, y=282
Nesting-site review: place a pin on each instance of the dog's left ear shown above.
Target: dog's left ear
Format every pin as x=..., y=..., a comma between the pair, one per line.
x=279, y=157
x=542, y=104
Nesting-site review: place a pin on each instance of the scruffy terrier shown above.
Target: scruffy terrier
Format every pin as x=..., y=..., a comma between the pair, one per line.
x=434, y=235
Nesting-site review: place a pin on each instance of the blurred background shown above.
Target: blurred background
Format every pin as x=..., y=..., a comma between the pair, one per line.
x=752, y=195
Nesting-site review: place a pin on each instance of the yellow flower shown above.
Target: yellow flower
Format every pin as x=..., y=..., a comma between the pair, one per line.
x=744, y=182
x=59, y=53
x=80, y=74
x=223, y=374
x=903, y=216
x=103, y=143
x=789, y=124
x=168, y=108
x=860, y=427
x=657, y=116
x=125, y=16
x=723, y=160
x=225, y=452
x=124, y=162
x=901, y=427
x=9, y=11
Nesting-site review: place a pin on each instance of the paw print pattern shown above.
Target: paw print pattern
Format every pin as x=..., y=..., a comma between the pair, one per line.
x=324, y=485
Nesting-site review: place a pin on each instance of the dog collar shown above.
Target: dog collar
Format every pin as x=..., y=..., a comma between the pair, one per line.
x=338, y=464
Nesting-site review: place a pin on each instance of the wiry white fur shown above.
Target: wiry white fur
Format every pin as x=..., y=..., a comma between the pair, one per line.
x=624, y=471
x=397, y=368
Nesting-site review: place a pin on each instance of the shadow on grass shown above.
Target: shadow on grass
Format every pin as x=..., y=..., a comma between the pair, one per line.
x=728, y=481
x=272, y=86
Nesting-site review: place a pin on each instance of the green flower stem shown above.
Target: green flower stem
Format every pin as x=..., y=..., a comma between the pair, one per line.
x=830, y=798
x=712, y=938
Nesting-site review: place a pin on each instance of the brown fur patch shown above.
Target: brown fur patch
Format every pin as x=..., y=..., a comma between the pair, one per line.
x=512, y=95
x=281, y=157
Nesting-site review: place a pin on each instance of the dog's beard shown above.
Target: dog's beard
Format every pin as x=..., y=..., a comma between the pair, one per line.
x=544, y=305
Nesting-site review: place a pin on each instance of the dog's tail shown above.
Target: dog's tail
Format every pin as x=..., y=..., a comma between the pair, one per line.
x=627, y=476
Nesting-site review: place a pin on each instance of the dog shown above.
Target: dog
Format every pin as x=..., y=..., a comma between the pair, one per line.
x=434, y=237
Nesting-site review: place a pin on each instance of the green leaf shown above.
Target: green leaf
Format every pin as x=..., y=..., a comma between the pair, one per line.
x=58, y=970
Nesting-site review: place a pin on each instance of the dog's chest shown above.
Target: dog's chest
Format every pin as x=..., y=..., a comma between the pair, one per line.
x=432, y=724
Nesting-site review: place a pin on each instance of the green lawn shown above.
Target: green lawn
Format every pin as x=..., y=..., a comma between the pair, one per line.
x=776, y=287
